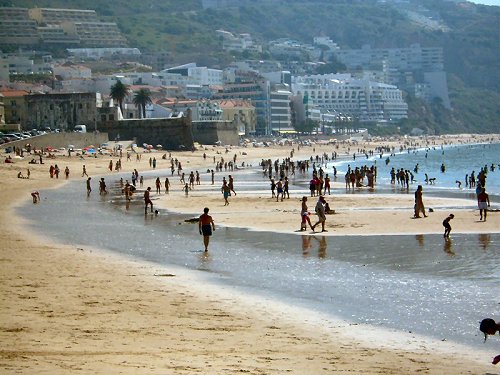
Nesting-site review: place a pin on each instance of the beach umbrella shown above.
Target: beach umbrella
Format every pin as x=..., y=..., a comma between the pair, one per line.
x=159, y=147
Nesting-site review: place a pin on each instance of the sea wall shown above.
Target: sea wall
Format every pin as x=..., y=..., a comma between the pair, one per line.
x=171, y=133
x=211, y=132
x=58, y=140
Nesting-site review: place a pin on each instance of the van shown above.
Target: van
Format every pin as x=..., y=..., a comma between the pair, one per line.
x=81, y=129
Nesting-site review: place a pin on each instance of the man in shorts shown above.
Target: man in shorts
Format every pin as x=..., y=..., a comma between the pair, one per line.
x=320, y=211
x=147, y=200
x=483, y=202
x=206, y=225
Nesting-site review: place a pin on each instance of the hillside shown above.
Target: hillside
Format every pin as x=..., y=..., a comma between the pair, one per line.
x=467, y=32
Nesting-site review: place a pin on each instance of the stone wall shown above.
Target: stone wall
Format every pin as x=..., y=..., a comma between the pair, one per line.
x=210, y=132
x=172, y=134
x=58, y=140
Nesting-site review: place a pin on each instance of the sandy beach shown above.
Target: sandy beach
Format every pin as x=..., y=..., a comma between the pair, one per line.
x=68, y=309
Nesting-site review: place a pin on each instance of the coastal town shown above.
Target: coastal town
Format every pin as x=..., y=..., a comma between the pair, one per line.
x=249, y=217
x=279, y=96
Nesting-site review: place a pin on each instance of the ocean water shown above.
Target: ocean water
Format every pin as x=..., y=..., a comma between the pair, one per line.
x=422, y=284
x=459, y=162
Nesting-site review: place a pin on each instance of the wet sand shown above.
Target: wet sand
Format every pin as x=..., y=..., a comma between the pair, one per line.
x=66, y=309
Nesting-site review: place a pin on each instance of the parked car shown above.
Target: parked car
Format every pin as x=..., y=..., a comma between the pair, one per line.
x=13, y=136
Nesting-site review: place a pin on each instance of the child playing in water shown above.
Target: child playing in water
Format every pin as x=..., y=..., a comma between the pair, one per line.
x=447, y=226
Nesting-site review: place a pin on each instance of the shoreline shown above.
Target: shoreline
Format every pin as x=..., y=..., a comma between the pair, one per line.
x=60, y=302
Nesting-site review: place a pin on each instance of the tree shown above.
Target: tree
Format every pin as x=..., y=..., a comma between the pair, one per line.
x=141, y=99
x=119, y=92
x=307, y=126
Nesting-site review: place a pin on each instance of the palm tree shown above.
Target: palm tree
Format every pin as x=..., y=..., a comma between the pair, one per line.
x=119, y=92
x=141, y=99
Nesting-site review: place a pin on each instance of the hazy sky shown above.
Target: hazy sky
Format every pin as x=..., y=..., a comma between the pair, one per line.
x=487, y=2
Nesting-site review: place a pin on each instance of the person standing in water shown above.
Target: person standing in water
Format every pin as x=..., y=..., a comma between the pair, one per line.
x=89, y=188
x=206, y=225
x=147, y=200
x=447, y=226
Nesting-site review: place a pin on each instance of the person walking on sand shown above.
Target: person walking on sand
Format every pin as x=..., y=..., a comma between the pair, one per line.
x=231, y=184
x=158, y=185
x=320, y=211
x=84, y=171
x=186, y=189
x=226, y=191
x=279, y=190
x=66, y=172
x=206, y=225
x=419, y=203
x=304, y=213
x=147, y=200
x=285, y=188
x=490, y=327
x=483, y=202
x=447, y=226
x=167, y=185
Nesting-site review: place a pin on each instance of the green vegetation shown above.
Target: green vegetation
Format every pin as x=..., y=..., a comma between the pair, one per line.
x=119, y=92
x=187, y=32
x=141, y=99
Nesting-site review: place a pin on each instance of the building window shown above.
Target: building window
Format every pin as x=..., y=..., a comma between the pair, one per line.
x=51, y=107
x=103, y=118
x=111, y=117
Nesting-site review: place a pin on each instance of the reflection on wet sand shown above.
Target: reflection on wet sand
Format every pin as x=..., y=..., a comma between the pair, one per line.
x=484, y=240
x=420, y=240
x=306, y=245
x=448, y=246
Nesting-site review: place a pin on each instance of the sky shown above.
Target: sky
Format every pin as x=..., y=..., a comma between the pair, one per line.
x=487, y=2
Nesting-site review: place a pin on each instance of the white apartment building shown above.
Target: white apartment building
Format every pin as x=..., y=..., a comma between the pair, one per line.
x=281, y=116
x=98, y=53
x=237, y=42
x=198, y=75
x=68, y=71
x=207, y=110
x=364, y=99
x=325, y=41
x=415, y=57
